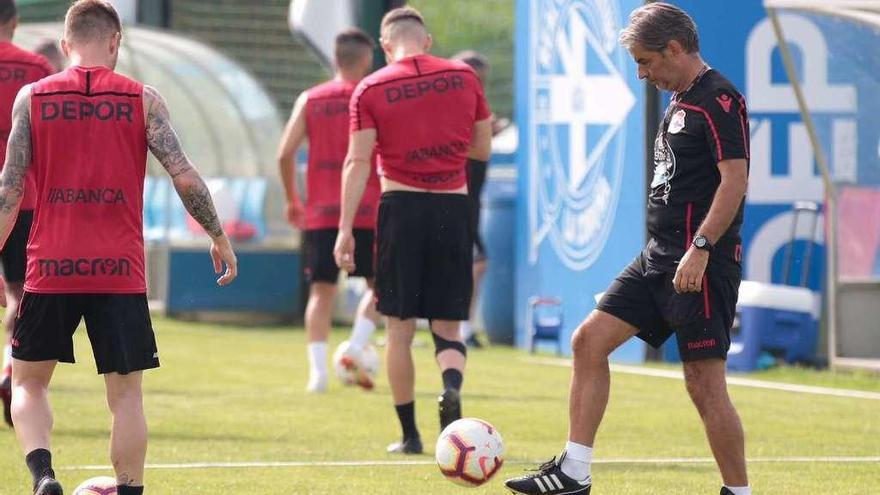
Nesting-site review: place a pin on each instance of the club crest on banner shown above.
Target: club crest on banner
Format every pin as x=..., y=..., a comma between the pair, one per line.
x=580, y=101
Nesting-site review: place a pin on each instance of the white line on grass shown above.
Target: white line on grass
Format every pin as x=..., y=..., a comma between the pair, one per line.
x=732, y=380
x=295, y=464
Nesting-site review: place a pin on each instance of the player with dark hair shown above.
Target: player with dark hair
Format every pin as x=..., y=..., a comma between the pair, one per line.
x=686, y=279
x=49, y=48
x=427, y=117
x=476, y=179
x=21, y=67
x=320, y=115
x=84, y=134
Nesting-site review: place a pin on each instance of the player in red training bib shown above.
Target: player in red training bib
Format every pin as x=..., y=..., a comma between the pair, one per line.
x=17, y=68
x=428, y=118
x=84, y=134
x=321, y=116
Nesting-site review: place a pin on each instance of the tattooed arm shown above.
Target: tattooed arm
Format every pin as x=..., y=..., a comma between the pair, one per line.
x=18, y=160
x=165, y=146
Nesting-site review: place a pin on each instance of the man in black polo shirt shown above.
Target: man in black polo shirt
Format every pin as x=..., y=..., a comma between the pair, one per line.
x=687, y=278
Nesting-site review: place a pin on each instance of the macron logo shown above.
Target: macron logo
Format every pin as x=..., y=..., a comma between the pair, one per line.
x=701, y=344
x=724, y=101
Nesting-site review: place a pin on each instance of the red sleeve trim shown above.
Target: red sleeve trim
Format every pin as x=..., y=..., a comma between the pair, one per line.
x=742, y=122
x=707, y=308
x=711, y=126
x=688, y=230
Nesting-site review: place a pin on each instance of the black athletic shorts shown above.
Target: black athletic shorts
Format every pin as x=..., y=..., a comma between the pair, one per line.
x=425, y=259
x=118, y=325
x=476, y=177
x=14, y=254
x=701, y=320
x=320, y=265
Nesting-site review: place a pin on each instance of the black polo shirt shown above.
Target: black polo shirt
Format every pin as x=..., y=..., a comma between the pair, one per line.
x=702, y=126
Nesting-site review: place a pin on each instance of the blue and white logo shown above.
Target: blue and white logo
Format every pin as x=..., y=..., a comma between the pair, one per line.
x=580, y=101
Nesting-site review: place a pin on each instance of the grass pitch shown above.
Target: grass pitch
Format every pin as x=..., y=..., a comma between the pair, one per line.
x=228, y=402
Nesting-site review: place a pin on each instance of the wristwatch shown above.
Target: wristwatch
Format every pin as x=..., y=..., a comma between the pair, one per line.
x=700, y=242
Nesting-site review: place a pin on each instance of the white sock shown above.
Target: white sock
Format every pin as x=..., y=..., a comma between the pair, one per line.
x=361, y=332
x=466, y=330
x=576, y=464
x=739, y=490
x=317, y=361
x=7, y=359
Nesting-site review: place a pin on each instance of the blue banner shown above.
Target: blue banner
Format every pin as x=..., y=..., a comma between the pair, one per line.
x=742, y=45
x=581, y=158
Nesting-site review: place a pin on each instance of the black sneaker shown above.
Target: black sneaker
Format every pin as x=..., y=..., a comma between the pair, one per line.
x=474, y=342
x=407, y=446
x=548, y=480
x=449, y=404
x=48, y=486
x=6, y=397
x=725, y=491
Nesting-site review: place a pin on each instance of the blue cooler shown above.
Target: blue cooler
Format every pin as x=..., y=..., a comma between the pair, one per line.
x=779, y=319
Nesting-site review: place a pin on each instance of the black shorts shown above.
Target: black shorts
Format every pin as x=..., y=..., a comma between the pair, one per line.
x=476, y=178
x=14, y=254
x=118, y=325
x=320, y=266
x=425, y=258
x=701, y=320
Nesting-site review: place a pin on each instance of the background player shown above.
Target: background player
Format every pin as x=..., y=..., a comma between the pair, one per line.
x=23, y=67
x=88, y=130
x=476, y=179
x=687, y=278
x=49, y=48
x=427, y=117
x=321, y=115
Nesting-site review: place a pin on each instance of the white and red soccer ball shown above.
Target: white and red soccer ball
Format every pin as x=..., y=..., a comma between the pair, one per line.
x=469, y=452
x=366, y=362
x=99, y=485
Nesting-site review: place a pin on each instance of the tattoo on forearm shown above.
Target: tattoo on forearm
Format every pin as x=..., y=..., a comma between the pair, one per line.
x=18, y=157
x=197, y=200
x=161, y=137
x=163, y=142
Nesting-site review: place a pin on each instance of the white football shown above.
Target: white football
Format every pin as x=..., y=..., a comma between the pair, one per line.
x=100, y=485
x=368, y=362
x=469, y=452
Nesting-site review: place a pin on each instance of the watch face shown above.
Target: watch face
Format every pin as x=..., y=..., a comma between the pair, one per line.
x=700, y=242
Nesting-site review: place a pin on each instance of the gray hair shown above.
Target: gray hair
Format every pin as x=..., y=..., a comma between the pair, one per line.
x=654, y=25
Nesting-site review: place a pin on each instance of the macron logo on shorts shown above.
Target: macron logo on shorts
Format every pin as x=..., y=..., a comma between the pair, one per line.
x=701, y=344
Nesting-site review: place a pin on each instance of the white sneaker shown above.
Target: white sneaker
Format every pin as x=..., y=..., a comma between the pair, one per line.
x=316, y=385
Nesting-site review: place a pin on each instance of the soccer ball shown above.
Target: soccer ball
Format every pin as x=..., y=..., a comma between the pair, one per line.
x=368, y=362
x=100, y=485
x=469, y=452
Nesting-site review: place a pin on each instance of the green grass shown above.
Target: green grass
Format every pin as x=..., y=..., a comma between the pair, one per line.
x=226, y=394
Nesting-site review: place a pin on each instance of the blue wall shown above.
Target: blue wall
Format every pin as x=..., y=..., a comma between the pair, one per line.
x=581, y=158
x=741, y=44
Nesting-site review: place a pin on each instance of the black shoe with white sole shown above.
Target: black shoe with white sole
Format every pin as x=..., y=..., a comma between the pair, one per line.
x=449, y=406
x=406, y=446
x=48, y=486
x=549, y=479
